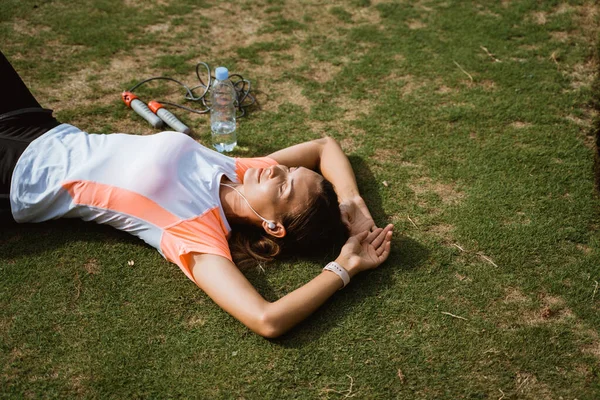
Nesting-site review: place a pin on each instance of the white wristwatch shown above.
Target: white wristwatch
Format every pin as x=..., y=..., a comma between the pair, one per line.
x=340, y=271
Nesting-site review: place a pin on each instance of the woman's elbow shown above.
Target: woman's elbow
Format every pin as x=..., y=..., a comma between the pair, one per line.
x=268, y=327
x=328, y=140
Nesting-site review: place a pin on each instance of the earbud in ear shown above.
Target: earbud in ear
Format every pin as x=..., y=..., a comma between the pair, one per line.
x=271, y=225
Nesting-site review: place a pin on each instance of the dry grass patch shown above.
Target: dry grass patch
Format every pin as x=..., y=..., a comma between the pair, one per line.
x=158, y=28
x=560, y=36
x=285, y=92
x=353, y=109
x=407, y=164
x=528, y=386
x=195, y=322
x=410, y=85
x=9, y=373
x=586, y=19
x=584, y=123
x=583, y=74
x=517, y=310
x=520, y=125
x=443, y=231
x=25, y=28
x=324, y=71
x=226, y=31
x=143, y=4
x=76, y=92
x=553, y=309
x=6, y=324
x=529, y=47
x=443, y=89
x=585, y=249
x=487, y=85
x=78, y=384
x=351, y=132
x=462, y=278
x=386, y=155
x=515, y=295
x=539, y=17
x=91, y=266
x=368, y=15
x=447, y=192
x=416, y=24
x=589, y=339
x=487, y=13
x=349, y=145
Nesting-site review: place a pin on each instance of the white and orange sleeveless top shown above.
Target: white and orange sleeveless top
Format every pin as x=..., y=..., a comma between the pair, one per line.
x=163, y=188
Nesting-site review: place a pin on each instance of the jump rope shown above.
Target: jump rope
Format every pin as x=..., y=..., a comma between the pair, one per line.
x=157, y=115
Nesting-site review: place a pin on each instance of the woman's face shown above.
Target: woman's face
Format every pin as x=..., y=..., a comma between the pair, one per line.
x=278, y=190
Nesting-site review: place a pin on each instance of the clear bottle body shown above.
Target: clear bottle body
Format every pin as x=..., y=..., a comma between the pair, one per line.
x=222, y=115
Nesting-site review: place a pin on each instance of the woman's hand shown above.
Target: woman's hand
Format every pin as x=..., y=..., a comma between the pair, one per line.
x=356, y=215
x=366, y=250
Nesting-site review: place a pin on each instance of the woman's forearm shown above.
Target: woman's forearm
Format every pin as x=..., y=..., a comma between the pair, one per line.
x=326, y=155
x=296, y=306
x=336, y=168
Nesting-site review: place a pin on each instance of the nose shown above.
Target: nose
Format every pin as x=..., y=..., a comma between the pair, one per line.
x=277, y=170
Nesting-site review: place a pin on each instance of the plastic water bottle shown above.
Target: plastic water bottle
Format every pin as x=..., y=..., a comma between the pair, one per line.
x=222, y=112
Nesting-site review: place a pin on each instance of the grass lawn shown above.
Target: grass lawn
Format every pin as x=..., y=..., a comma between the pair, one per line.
x=470, y=127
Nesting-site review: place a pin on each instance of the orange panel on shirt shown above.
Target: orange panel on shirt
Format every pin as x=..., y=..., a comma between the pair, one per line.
x=119, y=200
x=243, y=164
x=203, y=234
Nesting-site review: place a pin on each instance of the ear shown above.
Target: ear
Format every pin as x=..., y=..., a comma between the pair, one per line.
x=278, y=231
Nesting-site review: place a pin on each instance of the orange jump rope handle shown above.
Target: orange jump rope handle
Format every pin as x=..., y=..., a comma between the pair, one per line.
x=132, y=101
x=168, y=117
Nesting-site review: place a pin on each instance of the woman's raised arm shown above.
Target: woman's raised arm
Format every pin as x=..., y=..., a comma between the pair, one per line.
x=326, y=155
x=229, y=288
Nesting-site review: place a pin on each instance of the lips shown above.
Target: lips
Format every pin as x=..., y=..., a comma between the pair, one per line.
x=259, y=172
x=264, y=173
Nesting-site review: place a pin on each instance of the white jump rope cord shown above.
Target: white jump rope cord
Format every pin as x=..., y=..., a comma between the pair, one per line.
x=270, y=224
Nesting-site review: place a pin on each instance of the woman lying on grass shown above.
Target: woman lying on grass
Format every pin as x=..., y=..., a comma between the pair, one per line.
x=198, y=208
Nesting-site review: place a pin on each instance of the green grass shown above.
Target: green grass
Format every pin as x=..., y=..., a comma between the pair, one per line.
x=488, y=171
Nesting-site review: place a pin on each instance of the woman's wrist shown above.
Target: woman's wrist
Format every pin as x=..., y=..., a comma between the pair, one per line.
x=350, y=196
x=350, y=265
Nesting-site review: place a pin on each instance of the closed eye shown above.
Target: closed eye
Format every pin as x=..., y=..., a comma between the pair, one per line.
x=282, y=187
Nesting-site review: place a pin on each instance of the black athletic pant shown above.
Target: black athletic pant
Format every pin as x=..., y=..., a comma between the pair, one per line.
x=22, y=120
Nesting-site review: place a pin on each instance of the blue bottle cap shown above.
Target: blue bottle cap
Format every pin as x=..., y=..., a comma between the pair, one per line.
x=221, y=73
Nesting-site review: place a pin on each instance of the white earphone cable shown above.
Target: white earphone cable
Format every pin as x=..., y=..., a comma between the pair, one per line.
x=271, y=224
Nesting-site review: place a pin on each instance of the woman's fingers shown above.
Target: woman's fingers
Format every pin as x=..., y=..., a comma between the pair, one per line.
x=373, y=234
x=382, y=235
x=386, y=243
x=376, y=237
x=361, y=236
x=386, y=251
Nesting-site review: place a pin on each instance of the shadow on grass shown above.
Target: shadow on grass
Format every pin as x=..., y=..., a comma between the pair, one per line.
x=22, y=240
x=407, y=254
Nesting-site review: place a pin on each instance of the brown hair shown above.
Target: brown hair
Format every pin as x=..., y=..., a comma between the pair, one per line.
x=316, y=229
